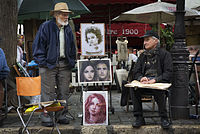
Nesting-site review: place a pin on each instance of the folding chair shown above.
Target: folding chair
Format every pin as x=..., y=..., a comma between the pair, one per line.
x=31, y=86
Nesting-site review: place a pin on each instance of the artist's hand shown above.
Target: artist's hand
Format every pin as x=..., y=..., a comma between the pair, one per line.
x=151, y=81
x=144, y=80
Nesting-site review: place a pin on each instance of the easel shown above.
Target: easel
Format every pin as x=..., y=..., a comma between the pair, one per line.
x=98, y=84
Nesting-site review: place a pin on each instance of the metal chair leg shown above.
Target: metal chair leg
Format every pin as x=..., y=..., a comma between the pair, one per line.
x=54, y=123
x=29, y=119
x=23, y=123
x=70, y=116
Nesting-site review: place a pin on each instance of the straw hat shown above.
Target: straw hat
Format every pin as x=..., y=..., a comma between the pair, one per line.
x=62, y=7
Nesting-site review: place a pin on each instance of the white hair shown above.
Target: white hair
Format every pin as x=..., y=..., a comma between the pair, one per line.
x=156, y=38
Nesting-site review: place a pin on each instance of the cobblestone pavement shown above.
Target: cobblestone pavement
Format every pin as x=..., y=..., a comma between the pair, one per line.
x=120, y=116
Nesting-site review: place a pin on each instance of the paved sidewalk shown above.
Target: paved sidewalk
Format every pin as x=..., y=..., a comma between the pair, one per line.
x=119, y=122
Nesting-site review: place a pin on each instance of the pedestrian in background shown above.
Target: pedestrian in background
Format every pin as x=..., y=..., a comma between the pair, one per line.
x=4, y=71
x=55, y=53
x=20, y=52
x=132, y=58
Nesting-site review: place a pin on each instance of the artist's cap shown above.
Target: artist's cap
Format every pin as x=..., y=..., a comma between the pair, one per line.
x=150, y=33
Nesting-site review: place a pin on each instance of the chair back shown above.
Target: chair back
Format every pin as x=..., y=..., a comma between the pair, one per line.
x=28, y=86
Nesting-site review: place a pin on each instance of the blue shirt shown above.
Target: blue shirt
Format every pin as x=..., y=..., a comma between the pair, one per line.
x=4, y=69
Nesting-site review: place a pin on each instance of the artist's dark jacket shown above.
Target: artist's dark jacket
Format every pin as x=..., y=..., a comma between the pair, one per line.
x=164, y=67
x=4, y=69
x=46, y=46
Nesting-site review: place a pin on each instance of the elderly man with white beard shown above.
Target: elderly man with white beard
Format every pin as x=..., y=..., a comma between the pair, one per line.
x=54, y=51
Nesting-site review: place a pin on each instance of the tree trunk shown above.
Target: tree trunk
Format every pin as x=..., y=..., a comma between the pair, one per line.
x=8, y=29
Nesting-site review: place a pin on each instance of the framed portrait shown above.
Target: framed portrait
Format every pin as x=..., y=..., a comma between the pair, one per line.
x=94, y=71
x=95, y=107
x=92, y=39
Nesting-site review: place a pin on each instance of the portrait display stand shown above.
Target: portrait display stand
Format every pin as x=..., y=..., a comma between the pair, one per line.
x=93, y=52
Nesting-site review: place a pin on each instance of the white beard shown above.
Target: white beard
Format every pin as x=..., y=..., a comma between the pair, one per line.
x=62, y=22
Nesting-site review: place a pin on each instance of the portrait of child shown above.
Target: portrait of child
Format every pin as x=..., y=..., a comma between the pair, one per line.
x=92, y=39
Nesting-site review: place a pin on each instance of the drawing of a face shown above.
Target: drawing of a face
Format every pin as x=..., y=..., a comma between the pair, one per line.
x=92, y=39
x=89, y=73
x=102, y=71
x=94, y=107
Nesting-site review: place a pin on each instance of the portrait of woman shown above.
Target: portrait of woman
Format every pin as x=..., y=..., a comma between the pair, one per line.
x=94, y=71
x=87, y=72
x=92, y=39
x=95, y=108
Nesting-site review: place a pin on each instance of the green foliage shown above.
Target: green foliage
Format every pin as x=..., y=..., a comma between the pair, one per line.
x=167, y=37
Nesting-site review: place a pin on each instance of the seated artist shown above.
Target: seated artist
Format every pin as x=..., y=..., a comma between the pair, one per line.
x=154, y=65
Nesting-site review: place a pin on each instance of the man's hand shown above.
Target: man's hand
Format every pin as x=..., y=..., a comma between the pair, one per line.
x=145, y=80
x=151, y=81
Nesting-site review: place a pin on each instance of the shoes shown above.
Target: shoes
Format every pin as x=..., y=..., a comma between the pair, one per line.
x=46, y=120
x=138, y=122
x=47, y=124
x=63, y=121
x=1, y=121
x=1, y=118
x=165, y=123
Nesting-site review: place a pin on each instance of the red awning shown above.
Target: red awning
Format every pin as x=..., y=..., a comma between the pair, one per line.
x=106, y=2
x=128, y=29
